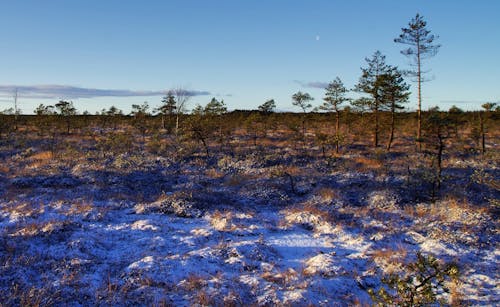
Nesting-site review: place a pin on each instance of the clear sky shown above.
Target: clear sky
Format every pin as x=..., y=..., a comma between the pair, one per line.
x=99, y=53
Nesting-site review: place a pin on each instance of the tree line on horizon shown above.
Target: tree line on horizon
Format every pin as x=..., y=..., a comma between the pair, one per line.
x=382, y=87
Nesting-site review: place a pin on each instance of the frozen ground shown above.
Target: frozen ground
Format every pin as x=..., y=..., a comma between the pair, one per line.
x=232, y=232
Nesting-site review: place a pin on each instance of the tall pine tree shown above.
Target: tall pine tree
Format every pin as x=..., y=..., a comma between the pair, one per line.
x=421, y=46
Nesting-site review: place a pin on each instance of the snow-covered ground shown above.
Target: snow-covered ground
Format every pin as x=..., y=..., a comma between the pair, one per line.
x=235, y=232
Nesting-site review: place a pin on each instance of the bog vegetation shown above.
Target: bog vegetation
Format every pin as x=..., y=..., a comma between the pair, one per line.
x=394, y=207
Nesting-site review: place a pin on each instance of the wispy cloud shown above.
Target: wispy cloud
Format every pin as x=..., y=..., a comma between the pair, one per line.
x=74, y=92
x=313, y=84
x=475, y=102
x=223, y=95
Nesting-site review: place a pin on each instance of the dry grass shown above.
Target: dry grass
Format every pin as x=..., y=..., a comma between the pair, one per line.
x=239, y=179
x=193, y=282
x=284, y=278
x=40, y=159
x=42, y=156
x=327, y=194
x=293, y=170
x=449, y=210
x=390, y=260
x=456, y=293
x=317, y=211
x=203, y=298
x=79, y=208
x=278, y=143
x=36, y=228
x=214, y=173
x=35, y=296
x=310, y=216
x=221, y=221
x=233, y=299
x=4, y=168
x=455, y=211
x=366, y=163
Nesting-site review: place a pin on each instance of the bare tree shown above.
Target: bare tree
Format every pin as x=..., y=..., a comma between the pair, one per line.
x=182, y=96
x=421, y=46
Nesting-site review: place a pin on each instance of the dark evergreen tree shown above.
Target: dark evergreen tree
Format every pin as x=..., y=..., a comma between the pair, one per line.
x=394, y=94
x=268, y=106
x=168, y=108
x=372, y=83
x=215, y=107
x=66, y=110
x=334, y=98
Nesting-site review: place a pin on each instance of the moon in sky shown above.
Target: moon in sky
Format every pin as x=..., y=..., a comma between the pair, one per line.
x=317, y=37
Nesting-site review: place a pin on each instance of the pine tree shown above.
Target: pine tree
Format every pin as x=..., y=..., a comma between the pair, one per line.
x=394, y=94
x=371, y=83
x=268, y=106
x=421, y=46
x=334, y=98
x=302, y=100
x=66, y=110
x=168, y=108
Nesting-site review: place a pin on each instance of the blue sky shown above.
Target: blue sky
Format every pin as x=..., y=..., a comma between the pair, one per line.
x=99, y=53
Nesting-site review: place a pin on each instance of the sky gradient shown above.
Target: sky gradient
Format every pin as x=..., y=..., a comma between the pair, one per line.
x=100, y=53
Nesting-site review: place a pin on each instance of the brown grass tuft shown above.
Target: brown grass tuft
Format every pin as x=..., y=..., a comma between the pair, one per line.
x=390, y=259
x=368, y=163
x=194, y=282
x=327, y=194
x=41, y=159
x=222, y=221
x=214, y=173
x=281, y=278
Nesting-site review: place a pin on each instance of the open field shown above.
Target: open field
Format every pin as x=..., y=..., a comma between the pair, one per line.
x=246, y=212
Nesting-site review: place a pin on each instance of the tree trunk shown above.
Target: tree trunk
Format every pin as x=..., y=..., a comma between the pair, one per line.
x=206, y=146
x=337, y=128
x=15, y=111
x=440, y=158
x=391, y=135
x=419, y=110
x=202, y=139
x=304, y=128
x=337, y=123
x=177, y=124
x=481, y=129
x=375, y=135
